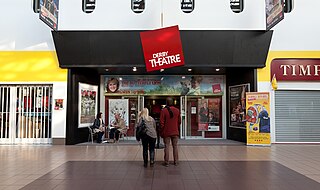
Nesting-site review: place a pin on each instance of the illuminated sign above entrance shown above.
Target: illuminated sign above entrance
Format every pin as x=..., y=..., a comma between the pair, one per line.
x=164, y=85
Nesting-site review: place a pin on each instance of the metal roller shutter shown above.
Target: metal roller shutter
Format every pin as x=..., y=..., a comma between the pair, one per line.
x=297, y=116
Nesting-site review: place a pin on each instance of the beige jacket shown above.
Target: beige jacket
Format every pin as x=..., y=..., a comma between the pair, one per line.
x=120, y=125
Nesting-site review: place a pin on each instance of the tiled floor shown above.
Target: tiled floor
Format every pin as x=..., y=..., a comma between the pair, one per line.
x=222, y=167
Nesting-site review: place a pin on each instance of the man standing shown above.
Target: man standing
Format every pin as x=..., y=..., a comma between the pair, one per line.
x=170, y=121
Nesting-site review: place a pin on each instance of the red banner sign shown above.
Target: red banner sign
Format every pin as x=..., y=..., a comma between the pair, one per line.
x=296, y=69
x=162, y=48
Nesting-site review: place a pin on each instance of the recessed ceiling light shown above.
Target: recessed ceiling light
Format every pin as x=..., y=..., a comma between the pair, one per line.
x=134, y=69
x=161, y=70
x=106, y=69
x=217, y=69
x=189, y=70
x=120, y=78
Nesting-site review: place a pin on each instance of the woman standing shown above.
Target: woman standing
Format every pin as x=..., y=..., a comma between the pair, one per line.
x=149, y=139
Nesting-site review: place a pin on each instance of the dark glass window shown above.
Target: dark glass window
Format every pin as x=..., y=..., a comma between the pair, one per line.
x=187, y=6
x=236, y=6
x=288, y=6
x=137, y=6
x=36, y=6
x=88, y=6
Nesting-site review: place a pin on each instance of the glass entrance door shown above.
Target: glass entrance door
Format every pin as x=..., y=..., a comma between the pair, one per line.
x=201, y=117
x=192, y=118
x=183, y=108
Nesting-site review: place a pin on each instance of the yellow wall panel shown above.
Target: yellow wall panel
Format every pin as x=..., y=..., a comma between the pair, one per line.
x=30, y=66
x=264, y=73
x=43, y=66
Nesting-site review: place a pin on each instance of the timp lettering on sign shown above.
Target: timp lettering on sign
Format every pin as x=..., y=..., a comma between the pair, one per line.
x=296, y=69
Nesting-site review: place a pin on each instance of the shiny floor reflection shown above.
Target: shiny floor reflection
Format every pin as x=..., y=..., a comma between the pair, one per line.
x=119, y=166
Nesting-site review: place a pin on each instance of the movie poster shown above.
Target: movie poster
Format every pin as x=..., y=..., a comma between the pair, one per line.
x=208, y=114
x=258, y=118
x=237, y=105
x=121, y=107
x=88, y=104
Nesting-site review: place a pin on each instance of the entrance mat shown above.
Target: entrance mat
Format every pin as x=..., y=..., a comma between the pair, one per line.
x=213, y=175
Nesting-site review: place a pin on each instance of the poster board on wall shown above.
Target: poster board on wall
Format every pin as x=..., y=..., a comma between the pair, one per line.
x=88, y=104
x=58, y=104
x=237, y=105
x=118, y=106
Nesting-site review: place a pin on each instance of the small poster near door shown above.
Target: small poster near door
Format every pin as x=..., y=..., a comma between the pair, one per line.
x=58, y=104
x=121, y=107
x=208, y=115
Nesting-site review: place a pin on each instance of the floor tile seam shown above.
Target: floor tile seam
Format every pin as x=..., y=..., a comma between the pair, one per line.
x=294, y=169
x=297, y=165
x=308, y=173
x=179, y=145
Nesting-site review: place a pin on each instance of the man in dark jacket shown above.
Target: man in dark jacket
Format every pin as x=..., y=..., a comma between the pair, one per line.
x=170, y=121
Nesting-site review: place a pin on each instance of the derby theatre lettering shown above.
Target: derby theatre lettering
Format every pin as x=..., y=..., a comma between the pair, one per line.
x=163, y=58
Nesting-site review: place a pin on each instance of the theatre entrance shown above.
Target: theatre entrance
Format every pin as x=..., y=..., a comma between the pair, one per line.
x=201, y=116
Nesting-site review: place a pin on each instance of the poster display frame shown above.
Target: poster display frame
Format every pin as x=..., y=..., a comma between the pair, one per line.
x=118, y=106
x=90, y=103
x=49, y=13
x=247, y=88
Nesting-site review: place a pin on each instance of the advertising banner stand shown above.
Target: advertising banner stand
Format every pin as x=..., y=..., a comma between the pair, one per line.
x=258, y=118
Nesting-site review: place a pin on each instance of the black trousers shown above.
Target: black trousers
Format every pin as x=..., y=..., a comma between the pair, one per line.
x=114, y=133
x=148, y=143
x=100, y=134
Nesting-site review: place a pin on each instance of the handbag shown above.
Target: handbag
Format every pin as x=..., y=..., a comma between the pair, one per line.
x=101, y=129
x=95, y=130
x=141, y=130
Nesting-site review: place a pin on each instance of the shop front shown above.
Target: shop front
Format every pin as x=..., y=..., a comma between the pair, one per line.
x=199, y=99
x=216, y=60
x=296, y=100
